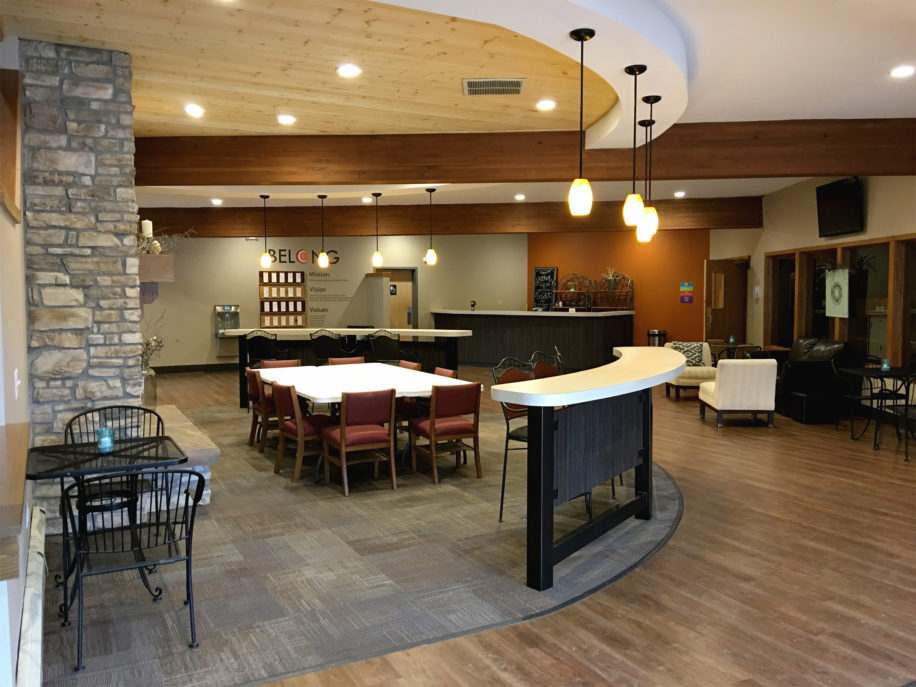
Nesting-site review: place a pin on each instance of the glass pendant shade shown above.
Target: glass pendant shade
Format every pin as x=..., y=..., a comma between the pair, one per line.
x=265, y=260
x=376, y=259
x=647, y=226
x=633, y=209
x=323, y=260
x=580, y=198
x=431, y=257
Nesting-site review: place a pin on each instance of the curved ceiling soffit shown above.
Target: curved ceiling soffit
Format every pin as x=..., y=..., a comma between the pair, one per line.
x=627, y=32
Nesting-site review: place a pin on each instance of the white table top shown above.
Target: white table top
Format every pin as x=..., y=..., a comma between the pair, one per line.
x=538, y=313
x=326, y=383
x=637, y=367
x=304, y=333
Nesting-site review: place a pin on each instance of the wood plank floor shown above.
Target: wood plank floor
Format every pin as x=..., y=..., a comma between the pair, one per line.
x=795, y=563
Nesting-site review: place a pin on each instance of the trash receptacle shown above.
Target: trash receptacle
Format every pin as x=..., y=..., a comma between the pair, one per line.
x=657, y=337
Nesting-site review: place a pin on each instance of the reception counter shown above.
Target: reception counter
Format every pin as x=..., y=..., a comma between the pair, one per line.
x=585, y=339
x=584, y=429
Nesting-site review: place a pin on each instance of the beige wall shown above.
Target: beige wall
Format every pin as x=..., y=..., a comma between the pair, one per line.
x=790, y=221
x=12, y=316
x=490, y=269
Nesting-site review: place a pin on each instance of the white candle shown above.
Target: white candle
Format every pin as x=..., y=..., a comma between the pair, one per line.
x=147, y=226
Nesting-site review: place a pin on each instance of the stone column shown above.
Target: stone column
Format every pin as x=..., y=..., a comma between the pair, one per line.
x=80, y=220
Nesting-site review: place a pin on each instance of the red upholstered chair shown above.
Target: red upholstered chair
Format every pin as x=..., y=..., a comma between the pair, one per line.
x=445, y=372
x=545, y=365
x=279, y=363
x=294, y=425
x=361, y=436
x=355, y=360
x=262, y=408
x=447, y=425
x=410, y=365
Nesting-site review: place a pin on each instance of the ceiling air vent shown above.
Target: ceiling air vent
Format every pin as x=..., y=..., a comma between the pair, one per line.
x=493, y=86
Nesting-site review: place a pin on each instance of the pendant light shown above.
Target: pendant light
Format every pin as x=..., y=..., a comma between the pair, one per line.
x=376, y=256
x=323, y=260
x=644, y=228
x=633, y=206
x=580, y=192
x=265, y=256
x=648, y=224
x=431, y=256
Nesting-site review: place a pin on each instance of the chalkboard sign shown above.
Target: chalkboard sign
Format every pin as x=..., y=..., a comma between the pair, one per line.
x=545, y=282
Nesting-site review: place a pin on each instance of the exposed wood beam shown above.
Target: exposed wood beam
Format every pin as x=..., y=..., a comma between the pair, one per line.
x=488, y=218
x=835, y=147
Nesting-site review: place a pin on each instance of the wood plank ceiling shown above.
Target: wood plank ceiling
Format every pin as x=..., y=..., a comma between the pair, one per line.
x=247, y=62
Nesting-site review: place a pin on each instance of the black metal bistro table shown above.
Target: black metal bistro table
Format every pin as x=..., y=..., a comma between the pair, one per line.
x=75, y=461
x=888, y=391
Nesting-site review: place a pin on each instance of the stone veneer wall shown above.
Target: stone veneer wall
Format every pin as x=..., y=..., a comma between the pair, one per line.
x=80, y=219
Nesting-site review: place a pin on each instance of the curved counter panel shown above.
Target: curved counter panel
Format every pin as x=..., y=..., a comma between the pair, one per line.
x=636, y=368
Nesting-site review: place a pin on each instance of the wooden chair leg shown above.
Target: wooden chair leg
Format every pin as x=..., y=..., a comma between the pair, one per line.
x=391, y=468
x=413, y=451
x=281, y=447
x=254, y=428
x=477, y=457
x=432, y=459
x=343, y=471
x=265, y=422
x=326, y=458
x=300, y=451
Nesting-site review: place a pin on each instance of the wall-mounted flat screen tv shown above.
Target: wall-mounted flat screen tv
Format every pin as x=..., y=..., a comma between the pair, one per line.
x=840, y=208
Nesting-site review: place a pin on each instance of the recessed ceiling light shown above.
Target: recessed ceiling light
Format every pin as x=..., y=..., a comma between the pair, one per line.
x=680, y=194
x=902, y=71
x=286, y=119
x=546, y=105
x=216, y=201
x=194, y=110
x=519, y=196
x=348, y=71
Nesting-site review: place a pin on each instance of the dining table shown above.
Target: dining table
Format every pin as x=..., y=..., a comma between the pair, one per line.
x=888, y=392
x=75, y=461
x=327, y=383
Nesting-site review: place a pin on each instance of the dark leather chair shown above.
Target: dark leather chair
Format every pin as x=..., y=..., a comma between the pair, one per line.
x=810, y=387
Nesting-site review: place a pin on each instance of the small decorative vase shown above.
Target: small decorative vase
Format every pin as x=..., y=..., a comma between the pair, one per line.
x=148, y=400
x=612, y=284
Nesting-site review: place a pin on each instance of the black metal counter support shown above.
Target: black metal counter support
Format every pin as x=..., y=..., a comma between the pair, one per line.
x=572, y=450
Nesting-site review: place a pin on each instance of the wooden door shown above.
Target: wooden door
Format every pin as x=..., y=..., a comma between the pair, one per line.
x=725, y=298
x=402, y=315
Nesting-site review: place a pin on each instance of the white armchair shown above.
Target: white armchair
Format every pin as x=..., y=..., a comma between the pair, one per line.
x=693, y=375
x=741, y=386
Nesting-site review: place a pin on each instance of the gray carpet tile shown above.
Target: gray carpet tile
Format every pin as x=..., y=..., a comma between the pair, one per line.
x=290, y=578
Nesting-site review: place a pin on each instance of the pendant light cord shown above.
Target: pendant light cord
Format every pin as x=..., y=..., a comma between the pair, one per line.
x=635, y=92
x=430, y=191
x=264, y=198
x=322, y=197
x=649, y=168
x=376, y=194
x=581, y=101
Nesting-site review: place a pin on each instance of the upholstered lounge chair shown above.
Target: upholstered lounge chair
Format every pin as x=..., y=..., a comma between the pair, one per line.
x=741, y=386
x=694, y=374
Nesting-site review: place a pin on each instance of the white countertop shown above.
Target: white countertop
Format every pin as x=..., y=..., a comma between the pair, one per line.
x=536, y=313
x=326, y=383
x=302, y=333
x=637, y=368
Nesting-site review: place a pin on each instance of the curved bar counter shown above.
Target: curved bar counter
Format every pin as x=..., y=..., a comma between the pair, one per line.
x=603, y=429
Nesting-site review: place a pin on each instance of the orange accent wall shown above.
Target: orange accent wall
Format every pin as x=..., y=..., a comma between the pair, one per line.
x=657, y=269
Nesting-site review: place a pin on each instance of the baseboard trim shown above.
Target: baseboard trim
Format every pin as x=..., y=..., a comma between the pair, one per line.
x=215, y=367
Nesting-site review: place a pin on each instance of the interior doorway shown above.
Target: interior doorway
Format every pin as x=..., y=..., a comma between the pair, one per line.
x=403, y=298
x=725, y=298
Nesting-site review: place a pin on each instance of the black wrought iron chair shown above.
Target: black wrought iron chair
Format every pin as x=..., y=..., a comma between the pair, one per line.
x=509, y=370
x=545, y=365
x=121, y=525
x=326, y=344
x=261, y=345
x=385, y=346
